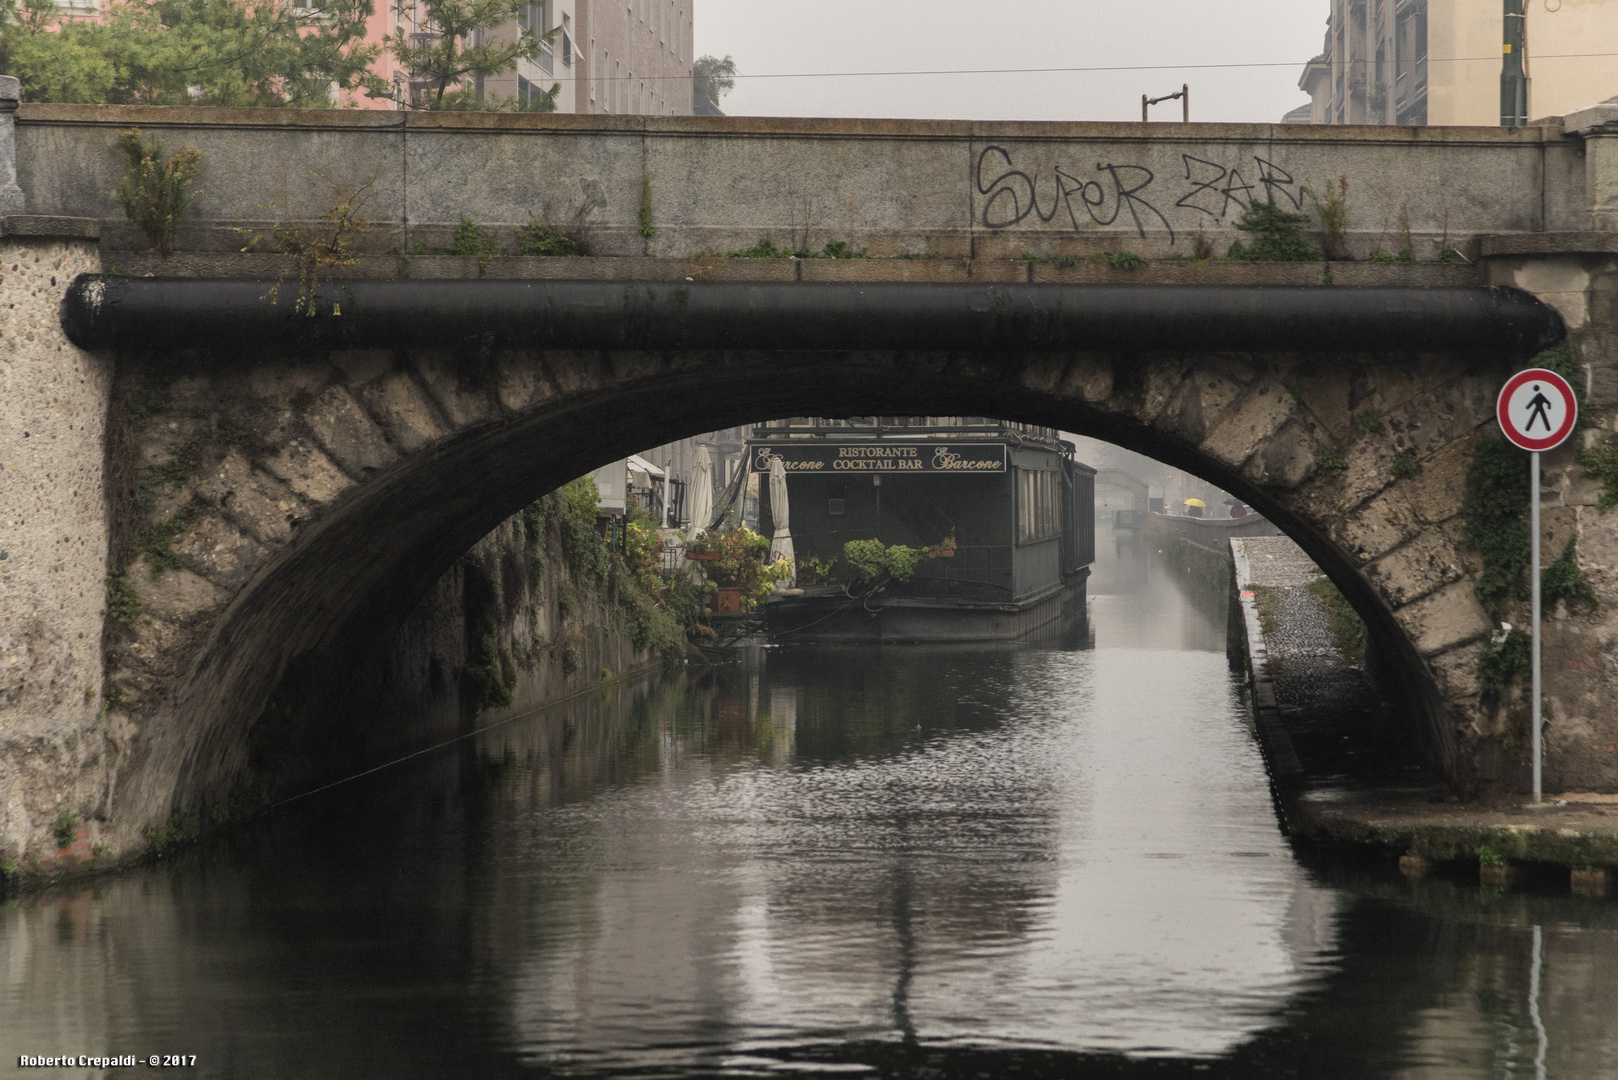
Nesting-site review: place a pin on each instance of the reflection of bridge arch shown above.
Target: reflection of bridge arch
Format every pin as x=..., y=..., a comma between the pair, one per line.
x=492, y=393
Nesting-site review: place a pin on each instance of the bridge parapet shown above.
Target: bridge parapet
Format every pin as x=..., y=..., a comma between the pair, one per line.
x=681, y=186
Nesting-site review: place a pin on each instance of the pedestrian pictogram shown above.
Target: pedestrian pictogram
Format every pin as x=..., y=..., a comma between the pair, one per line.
x=1537, y=410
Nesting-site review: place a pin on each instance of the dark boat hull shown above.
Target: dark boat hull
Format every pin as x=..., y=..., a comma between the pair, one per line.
x=837, y=618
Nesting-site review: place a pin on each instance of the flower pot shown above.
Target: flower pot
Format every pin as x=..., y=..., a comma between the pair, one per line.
x=729, y=601
x=702, y=556
x=941, y=553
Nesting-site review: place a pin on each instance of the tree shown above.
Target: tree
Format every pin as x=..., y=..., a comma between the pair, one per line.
x=711, y=79
x=461, y=45
x=190, y=52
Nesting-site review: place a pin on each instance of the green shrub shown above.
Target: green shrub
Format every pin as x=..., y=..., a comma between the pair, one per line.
x=1277, y=235
x=813, y=570
x=1122, y=260
x=1487, y=856
x=872, y=563
x=155, y=192
x=1332, y=209
x=474, y=241
x=65, y=828
x=1330, y=464
x=585, y=549
x=1404, y=465
x=537, y=238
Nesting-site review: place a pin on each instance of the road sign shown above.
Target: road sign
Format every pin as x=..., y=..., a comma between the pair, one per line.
x=1537, y=410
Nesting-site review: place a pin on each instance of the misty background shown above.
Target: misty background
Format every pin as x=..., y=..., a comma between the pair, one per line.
x=1172, y=37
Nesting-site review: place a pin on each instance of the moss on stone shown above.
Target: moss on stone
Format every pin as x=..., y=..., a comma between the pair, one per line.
x=1563, y=581
x=1493, y=512
x=1601, y=463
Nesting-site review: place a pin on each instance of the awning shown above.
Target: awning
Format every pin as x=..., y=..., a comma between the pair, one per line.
x=640, y=464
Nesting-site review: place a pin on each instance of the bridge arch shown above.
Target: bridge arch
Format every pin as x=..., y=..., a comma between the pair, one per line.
x=403, y=424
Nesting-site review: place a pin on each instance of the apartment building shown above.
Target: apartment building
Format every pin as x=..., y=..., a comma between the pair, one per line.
x=609, y=56
x=1439, y=61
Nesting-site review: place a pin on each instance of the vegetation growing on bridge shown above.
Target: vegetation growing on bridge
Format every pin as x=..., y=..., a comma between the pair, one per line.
x=766, y=249
x=124, y=604
x=1494, y=509
x=319, y=249
x=156, y=190
x=1505, y=659
x=1332, y=209
x=1276, y=235
x=1330, y=464
x=1601, y=463
x=1493, y=512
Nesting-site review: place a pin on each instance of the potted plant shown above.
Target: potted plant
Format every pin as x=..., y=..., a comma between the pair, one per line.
x=708, y=547
x=944, y=550
x=743, y=572
x=873, y=564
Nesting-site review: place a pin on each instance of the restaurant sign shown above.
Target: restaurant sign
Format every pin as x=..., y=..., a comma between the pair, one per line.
x=892, y=457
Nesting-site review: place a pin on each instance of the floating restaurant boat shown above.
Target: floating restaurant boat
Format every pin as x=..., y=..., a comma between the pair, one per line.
x=1004, y=512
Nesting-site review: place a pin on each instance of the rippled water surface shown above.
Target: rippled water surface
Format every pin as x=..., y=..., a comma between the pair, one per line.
x=1046, y=860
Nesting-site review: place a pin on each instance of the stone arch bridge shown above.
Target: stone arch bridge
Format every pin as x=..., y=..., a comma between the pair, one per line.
x=337, y=434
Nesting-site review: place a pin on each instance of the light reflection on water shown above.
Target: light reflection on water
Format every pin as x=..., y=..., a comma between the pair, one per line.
x=932, y=862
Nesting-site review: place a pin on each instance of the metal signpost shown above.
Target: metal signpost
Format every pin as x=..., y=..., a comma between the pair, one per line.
x=1537, y=411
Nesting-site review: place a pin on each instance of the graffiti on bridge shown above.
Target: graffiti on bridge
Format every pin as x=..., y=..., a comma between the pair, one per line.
x=1011, y=195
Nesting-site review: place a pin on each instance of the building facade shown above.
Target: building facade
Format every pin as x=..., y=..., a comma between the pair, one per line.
x=1439, y=61
x=632, y=57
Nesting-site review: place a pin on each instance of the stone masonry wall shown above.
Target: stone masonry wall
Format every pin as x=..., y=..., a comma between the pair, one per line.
x=55, y=741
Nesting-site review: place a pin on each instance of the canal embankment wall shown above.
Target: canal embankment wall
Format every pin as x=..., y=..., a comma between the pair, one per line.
x=516, y=624
x=527, y=618
x=1303, y=677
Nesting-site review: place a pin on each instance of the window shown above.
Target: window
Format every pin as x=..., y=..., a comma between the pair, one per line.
x=1037, y=500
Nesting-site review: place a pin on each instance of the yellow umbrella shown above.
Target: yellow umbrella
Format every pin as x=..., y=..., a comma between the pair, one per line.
x=1195, y=502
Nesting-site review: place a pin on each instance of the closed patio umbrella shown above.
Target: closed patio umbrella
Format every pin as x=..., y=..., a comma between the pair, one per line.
x=701, y=493
x=781, y=543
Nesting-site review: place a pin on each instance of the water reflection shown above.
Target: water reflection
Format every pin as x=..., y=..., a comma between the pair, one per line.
x=1043, y=861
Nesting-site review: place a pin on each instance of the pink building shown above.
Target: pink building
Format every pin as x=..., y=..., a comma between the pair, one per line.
x=609, y=56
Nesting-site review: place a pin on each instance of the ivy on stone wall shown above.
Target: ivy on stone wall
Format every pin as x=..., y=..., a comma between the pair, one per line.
x=1505, y=658
x=1493, y=511
x=1562, y=581
x=1601, y=463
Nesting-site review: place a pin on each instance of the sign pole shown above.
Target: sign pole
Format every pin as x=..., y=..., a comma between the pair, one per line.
x=1537, y=410
x=1533, y=558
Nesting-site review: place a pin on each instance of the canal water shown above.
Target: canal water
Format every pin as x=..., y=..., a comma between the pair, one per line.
x=1059, y=859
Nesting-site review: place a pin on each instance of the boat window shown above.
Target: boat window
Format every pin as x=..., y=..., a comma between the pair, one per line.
x=1037, y=517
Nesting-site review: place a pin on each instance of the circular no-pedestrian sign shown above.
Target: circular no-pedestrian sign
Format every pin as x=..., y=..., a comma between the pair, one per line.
x=1537, y=409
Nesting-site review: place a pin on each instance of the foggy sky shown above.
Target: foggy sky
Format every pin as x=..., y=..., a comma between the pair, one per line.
x=795, y=36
